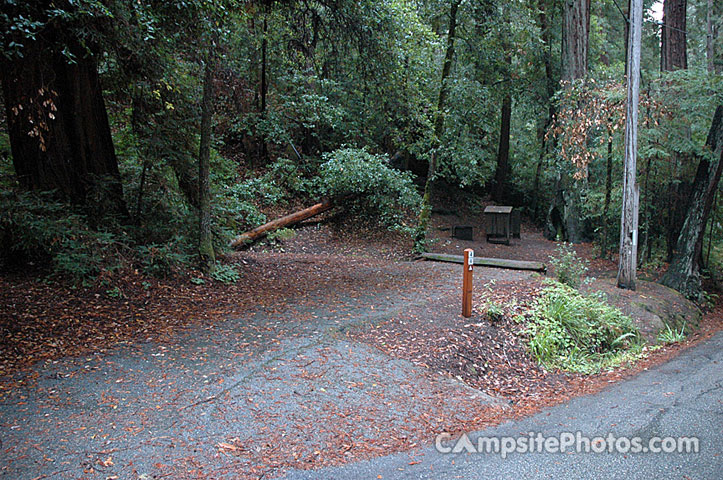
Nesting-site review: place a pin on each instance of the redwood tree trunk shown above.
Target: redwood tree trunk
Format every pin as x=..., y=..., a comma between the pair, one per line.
x=576, y=30
x=550, y=88
x=673, y=51
x=575, y=36
x=503, y=151
x=684, y=271
x=58, y=125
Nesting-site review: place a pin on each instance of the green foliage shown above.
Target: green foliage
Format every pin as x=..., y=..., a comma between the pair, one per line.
x=570, y=269
x=35, y=227
x=161, y=260
x=281, y=234
x=494, y=312
x=670, y=335
x=579, y=333
x=366, y=183
x=225, y=273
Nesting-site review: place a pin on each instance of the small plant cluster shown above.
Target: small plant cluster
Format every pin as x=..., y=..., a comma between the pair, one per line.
x=570, y=269
x=225, y=273
x=579, y=333
x=35, y=227
x=670, y=335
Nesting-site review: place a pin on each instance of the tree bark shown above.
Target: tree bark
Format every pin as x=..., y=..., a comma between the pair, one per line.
x=503, y=150
x=426, y=208
x=714, y=64
x=206, y=254
x=576, y=30
x=608, y=193
x=550, y=84
x=58, y=125
x=684, y=271
x=631, y=192
x=575, y=36
x=673, y=51
x=264, y=84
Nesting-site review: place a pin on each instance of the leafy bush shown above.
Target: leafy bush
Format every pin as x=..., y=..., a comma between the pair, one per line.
x=36, y=227
x=161, y=260
x=369, y=186
x=570, y=269
x=578, y=333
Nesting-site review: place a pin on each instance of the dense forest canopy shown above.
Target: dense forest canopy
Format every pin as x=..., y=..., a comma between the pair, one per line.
x=144, y=131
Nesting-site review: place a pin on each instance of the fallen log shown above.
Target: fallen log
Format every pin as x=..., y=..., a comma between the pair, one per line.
x=489, y=262
x=261, y=231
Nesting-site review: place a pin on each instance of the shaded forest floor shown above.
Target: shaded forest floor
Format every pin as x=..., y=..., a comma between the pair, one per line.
x=328, y=349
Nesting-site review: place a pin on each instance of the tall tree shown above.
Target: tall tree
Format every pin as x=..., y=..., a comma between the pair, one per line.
x=575, y=38
x=426, y=208
x=684, y=271
x=631, y=193
x=205, y=241
x=674, y=56
x=673, y=48
x=503, y=150
x=713, y=16
x=550, y=83
x=57, y=121
x=565, y=213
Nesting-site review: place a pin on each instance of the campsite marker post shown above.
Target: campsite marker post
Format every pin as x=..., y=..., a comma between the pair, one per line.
x=467, y=283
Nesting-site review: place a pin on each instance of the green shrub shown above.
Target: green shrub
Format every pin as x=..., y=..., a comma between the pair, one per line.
x=34, y=227
x=369, y=186
x=579, y=333
x=161, y=260
x=570, y=269
x=281, y=234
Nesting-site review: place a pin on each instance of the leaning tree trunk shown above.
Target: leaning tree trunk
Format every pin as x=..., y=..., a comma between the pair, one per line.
x=58, y=125
x=684, y=271
x=205, y=236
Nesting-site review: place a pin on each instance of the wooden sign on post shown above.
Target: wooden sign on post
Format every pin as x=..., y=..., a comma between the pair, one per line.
x=467, y=283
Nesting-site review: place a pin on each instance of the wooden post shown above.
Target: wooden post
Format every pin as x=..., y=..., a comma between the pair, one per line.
x=467, y=282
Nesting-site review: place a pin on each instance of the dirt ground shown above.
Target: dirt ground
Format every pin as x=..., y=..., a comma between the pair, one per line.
x=335, y=344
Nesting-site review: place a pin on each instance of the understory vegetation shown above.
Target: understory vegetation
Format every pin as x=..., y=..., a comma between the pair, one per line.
x=579, y=333
x=199, y=119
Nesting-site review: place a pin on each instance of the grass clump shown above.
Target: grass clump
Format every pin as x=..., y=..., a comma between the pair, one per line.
x=579, y=333
x=670, y=335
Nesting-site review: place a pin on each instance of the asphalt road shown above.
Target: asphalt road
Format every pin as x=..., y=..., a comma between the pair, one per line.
x=682, y=398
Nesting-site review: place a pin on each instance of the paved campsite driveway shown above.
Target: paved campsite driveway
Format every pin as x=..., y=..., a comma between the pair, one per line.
x=680, y=398
x=238, y=398
x=284, y=385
